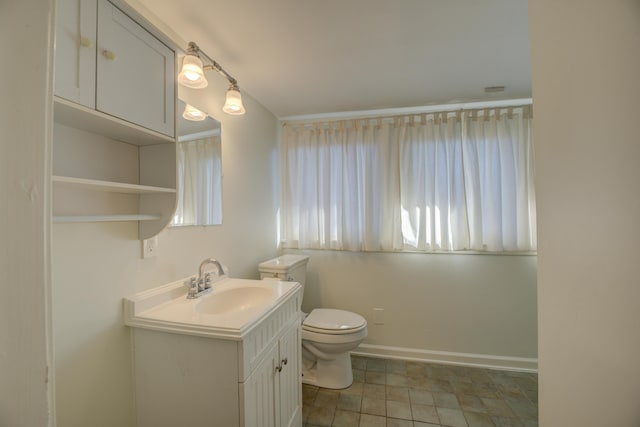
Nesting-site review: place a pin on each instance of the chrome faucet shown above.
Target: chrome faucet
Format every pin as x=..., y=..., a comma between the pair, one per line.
x=202, y=285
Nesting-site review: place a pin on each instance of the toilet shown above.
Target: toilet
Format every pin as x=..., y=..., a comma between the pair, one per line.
x=328, y=335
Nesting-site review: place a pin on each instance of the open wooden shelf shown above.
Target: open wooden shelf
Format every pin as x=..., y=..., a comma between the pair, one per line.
x=80, y=117
x=103, y=218
x=108, y=186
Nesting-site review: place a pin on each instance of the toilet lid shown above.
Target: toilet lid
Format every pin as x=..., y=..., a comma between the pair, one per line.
x=332, y=321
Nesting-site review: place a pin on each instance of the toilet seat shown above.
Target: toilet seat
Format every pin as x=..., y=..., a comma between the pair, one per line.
x=333, y=322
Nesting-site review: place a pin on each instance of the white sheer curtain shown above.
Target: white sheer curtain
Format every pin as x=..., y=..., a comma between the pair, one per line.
x=498, y=152
x=199, y=182
x=433, y=182
x=336, y=186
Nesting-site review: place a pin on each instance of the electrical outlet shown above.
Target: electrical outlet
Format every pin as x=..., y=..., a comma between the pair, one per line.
x=149, y=247
x=378, y=316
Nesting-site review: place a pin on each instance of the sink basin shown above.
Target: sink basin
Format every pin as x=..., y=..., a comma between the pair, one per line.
x=229, y=311
x=234, y=299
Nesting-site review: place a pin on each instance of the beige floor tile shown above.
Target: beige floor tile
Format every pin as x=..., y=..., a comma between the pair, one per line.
x=398, y=410
x=418, y=382
x=395, y=422
x=367, y=420
x=421, y=397
x=355, y=388
x=400, y=394
x=469, y=402
x=439, y=385
x=397, y=367
x=525, y=410
x=446, y=400
x=358, y=375
x=424, y=413
x=326, y=398
x=374, y=390
x=321, y=416
x=374, y=377
x=397, y=380
x=377, y=365
x=532, y=395
x=397, y=393
x=497, y=407
x=358, y=362
x=374, y=406
x=350, y=402
x=507, y=422
x=309, y=396
x=346, y=419
x=485, y=390
x=451, y=417
x=476, y=419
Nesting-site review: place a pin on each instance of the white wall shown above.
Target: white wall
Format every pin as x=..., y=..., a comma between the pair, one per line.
x=95, y=265
x=586, y=88
x=24, y=264
x=470, y=304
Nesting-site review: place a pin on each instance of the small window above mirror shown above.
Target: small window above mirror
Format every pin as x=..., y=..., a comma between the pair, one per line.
x=199, y=183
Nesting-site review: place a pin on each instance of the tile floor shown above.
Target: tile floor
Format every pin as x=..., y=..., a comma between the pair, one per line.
x=393, y=393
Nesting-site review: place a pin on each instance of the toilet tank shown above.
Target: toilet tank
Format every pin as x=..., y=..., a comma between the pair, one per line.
x=286, y=267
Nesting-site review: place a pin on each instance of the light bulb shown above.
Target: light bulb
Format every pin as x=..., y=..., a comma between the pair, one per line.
x=193, y=114
x=192, y=74
x=233, y=104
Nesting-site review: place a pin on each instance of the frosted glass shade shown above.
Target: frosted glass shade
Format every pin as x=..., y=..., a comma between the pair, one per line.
x=192, y=75
x=233, y=104
x=193, y=114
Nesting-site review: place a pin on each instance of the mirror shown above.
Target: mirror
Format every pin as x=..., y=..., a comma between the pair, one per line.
x=199, y=180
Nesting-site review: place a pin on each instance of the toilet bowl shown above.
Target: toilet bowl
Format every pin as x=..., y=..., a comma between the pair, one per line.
x=328, y=335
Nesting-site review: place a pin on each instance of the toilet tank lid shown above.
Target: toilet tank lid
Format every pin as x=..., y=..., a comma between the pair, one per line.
x=283, y=263
x=334, y=320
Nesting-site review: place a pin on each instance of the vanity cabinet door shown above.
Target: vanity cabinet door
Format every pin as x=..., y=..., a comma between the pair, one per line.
x=259, y=392
x=135, y=72
x=272, y=394
x=290, y=395
x=75, y=51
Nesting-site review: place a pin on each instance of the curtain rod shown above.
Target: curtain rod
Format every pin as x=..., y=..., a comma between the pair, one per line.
x=406, y=111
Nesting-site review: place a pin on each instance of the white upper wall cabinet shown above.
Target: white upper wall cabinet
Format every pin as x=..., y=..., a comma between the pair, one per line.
x=75, y=62
x=135, y=72
x=114, y=151
x=108, y=62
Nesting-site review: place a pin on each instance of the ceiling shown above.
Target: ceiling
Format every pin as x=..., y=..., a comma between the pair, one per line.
x=300, y=57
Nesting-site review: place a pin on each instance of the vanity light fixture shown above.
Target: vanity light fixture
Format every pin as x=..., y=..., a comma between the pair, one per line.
x=193, y=114
x=192, y=76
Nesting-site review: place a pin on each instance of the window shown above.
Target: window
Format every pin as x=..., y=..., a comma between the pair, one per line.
x=451, y=181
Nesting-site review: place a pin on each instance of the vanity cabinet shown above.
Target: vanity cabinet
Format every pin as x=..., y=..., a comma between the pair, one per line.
x=270, y=395
x=199, y=376
x=114, y=145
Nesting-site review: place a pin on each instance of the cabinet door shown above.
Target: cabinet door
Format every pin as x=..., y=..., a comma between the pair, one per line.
x=290, y=396
x=75, y=52
x=135, y=72
x=259, y=391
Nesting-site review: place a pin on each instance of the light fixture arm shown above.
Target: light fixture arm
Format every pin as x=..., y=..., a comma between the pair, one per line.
x=192, y=76
x=195, y=50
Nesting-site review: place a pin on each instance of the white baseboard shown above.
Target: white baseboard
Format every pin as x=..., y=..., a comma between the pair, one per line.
x=506, y=363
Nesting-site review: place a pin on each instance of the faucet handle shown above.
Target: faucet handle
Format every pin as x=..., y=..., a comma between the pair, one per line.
x=207, y=280
x=193, y=288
